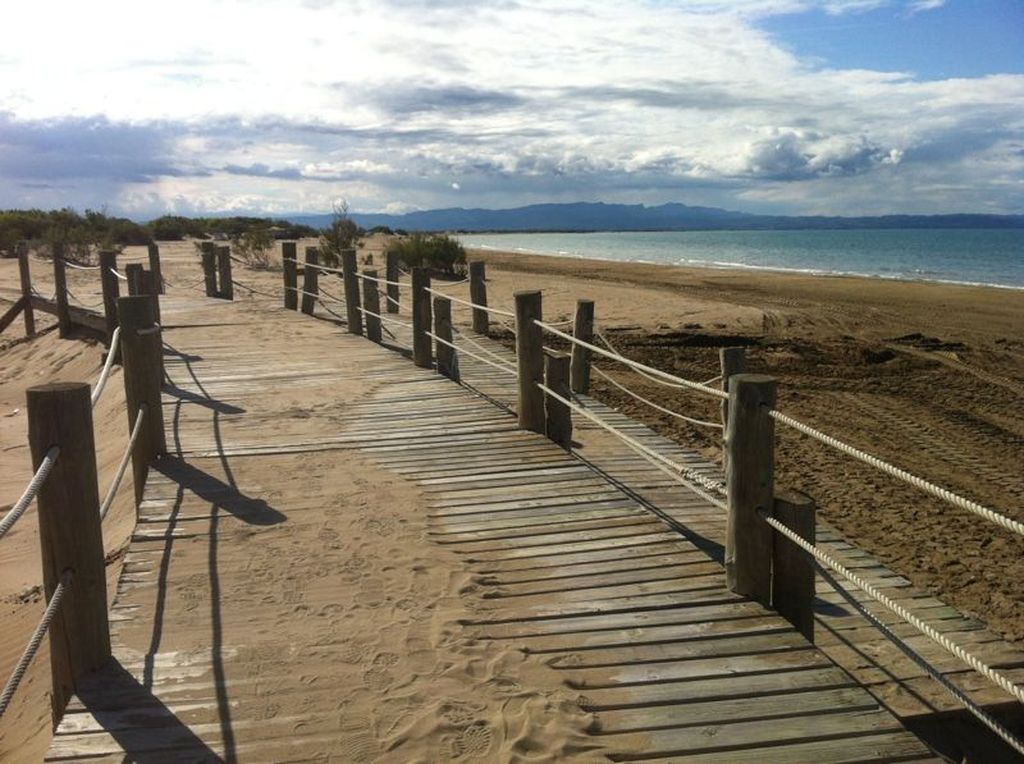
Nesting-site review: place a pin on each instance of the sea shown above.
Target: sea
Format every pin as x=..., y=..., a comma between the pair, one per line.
x=981, y=257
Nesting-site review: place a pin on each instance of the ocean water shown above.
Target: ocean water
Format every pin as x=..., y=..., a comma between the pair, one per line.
x=963, y=256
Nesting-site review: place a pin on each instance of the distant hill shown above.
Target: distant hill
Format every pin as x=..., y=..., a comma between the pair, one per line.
x=598, y=216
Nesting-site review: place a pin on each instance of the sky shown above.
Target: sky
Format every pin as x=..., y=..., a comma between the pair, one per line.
x=849, y=107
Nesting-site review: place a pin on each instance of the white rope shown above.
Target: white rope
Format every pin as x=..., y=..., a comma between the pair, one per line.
x=318, y=267
x=989, y=673
x=78, y=267
x=653, y=378
x=378, y=279
x=119, y=475
x=452, y=283
x=253, y=291
x=934, y=673
x=30, y=491
x=380, y=317
x=635, y=365
x=889, y=469
x=495, y=311
x=107, y=365
x=712, y=381
x=691, y=479
x=118, y=274
x=33, y=644
x=652, y=404
x=466, y=338
x=506, y=369
x=148, y=330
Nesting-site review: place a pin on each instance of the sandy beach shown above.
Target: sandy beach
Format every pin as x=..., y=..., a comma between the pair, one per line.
x=929, y=376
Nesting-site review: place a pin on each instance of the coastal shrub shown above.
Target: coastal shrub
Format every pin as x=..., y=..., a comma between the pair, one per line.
x=254, y=248
x=342, y=233
x=438, y=252
x=80, y=235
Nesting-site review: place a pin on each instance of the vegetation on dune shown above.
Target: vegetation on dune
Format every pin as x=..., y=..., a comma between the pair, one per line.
x=176, y=227
x=438, y=252
x=80, y=235
x=341, y=234
x=254, y=248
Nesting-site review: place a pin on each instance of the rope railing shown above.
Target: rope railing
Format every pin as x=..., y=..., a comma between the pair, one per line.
x=78, y=267
x=253, y=291
x=702, y=485
x=101, y=383
x=901, y=474
x=33, y=644
x=959, y=695
x=31, y=490
x=652, y=404
x=664, y=375
x=493, y=311
x=505, y=369
x=653, y=378
x=823, y=557
x=381, y=317
x=466, y=338
x=450, y=284
x=154, y=329
x=118, y=273
x=123, y=465
x=82, y=302
x=378, y=279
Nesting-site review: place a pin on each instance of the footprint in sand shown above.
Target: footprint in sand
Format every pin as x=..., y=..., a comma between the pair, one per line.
x=385, y=659
x=378, y=678
x=460, y=712
x=472, y=742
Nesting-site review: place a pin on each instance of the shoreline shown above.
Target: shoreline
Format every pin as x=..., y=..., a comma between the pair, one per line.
x=726, y=266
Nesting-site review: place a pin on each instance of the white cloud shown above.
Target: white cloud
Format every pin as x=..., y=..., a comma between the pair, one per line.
x=288, y=104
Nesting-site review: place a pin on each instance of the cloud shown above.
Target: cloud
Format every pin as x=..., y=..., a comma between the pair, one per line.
x=521, y=101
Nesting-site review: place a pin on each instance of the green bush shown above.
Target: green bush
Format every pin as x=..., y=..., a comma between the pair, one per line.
x=438, y=252
x=81, y=236
x=254, y=248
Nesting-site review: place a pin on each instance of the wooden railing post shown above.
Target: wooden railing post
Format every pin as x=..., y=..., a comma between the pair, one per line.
x=227, y=284
x=583, y=329
x=371, y=301
x=421, y=318
x=478, y=295
x=391, y=274
x=732, y=361
x=154, y=267
x=111, y=292
x=310, y=280
x=70, y=534
x=60, y=284
x=25, y=273
x=750, y=483
x=290, y=269
x=792, y=567
x=350, y=273
x=209, y=255
x=133, y=271
x=447, y=359
x=530, y=359
x=152, y=288
x=142, y=348
x=558, y=415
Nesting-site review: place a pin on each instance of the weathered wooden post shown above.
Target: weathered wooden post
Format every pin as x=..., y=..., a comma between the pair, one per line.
x=792, y=567
x=421, y=319
x=530, y=359
x=391, y=275
x=70, y=534
x=111, y=292
x=60, y=284
x=133, y=271
x=350, y=273
x=310, y=280
x=371, y=301
x=151, y=287
x=478, y=296
x=583, y=329
x=227, y=284
x=25, y=274
x=142, y=348
x=558, y=415
x=290, y=269
x=750, y=484
x=732, y=361
x=209, y=255
x=154, y=267
x=447, y=359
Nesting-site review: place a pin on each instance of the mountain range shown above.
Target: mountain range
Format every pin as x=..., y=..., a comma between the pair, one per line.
x=598, y=216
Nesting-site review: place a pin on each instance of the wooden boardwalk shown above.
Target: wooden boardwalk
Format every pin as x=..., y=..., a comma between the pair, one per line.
x=596, y=563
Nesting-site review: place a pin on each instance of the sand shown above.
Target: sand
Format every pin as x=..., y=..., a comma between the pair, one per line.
x=930, y=376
